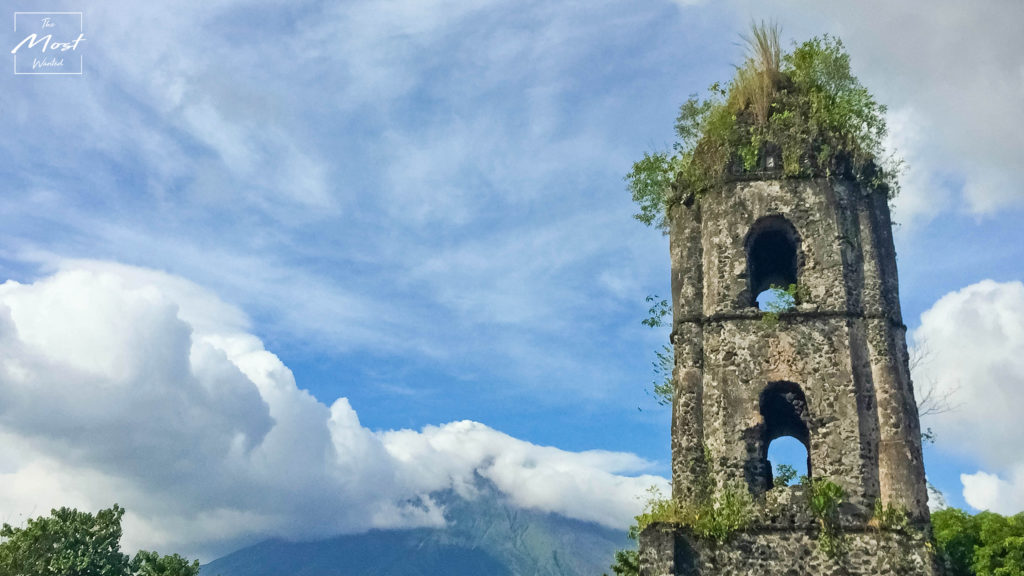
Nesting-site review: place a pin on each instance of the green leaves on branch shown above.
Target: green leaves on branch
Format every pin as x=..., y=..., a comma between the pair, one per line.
x=648, y=182
x=804, y=107
x=627, y=563
x=826, y=497
x=986, y=544
x=781, y=300
x=833, y=119
x=657, y=312
x=66, y=543
x=784, y=475
x=957, y=534
x=73, y=543
x=147, y=563
x=664, y=389
x=664, y=359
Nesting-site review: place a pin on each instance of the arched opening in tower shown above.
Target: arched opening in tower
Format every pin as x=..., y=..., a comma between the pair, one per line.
x=785, y=416
x=772, y=247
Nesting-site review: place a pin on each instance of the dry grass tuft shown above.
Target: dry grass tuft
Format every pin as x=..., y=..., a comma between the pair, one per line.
x=757, y=79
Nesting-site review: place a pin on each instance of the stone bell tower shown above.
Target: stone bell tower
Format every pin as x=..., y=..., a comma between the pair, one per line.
x=832, y=372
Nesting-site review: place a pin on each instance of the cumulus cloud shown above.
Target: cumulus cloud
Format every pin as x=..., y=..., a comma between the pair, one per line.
x=986, y=491
x=127, y=385
x=975, y=342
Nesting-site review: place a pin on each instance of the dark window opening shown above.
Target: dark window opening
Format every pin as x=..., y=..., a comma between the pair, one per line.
x=772, y=258
x=784, y=412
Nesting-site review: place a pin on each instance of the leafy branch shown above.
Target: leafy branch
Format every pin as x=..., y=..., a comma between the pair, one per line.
x=826, y=497
x=664, y=359
x=781, y=300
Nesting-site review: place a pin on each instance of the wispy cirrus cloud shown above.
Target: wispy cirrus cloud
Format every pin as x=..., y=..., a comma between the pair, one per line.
x=330, y=165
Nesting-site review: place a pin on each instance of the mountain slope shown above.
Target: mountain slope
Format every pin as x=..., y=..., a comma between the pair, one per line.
x=392, y=553
x=485, y=536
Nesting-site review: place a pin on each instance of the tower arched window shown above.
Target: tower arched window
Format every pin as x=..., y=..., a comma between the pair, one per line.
x=773, y=256
x=784, y=412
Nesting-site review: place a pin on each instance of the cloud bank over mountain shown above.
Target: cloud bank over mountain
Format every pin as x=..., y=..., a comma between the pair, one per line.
x=122, y=384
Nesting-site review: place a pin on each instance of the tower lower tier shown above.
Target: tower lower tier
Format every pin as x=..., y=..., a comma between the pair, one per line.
x=672, y=550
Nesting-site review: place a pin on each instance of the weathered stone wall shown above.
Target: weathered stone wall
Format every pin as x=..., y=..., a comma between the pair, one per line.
x=685, y=244
x=783, y=539
x=844, y=345
x=844, y=349
x=742, y=357
x=667, y=550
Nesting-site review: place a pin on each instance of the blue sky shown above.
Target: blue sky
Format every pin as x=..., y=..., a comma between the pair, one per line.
x=419, y=207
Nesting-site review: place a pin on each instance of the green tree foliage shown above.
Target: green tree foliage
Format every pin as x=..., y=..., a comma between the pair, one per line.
x=657, y=313
x=649, y=180
x=627, y=563
x=66, y=543
x=956, y=536
x=148, y=563
x=986, y=544
x=73, y=543
x=805, y=105
x=826, y=498
x=662, y=386
x=784, y=475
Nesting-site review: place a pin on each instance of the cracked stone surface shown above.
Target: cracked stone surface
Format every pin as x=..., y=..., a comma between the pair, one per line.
x=832, y=372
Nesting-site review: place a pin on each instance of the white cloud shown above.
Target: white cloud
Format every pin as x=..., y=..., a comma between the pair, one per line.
x=986, y=491
x=975, y=343
x=966, y=92
x=581, y=485
x=921, y=197
x=126, y=385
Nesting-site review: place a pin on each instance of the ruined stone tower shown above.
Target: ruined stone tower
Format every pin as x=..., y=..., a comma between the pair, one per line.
x=832, y=373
